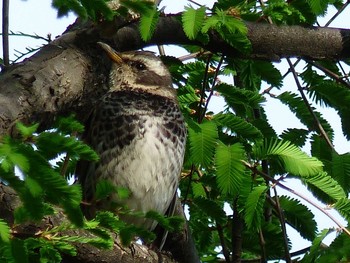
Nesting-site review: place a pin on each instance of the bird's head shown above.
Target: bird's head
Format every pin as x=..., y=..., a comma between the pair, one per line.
x=140, y=70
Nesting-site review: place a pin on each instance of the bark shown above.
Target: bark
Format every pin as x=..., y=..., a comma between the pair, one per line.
x=70, y=74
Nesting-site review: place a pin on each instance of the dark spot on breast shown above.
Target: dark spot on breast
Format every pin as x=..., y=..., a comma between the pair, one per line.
x=165, y=132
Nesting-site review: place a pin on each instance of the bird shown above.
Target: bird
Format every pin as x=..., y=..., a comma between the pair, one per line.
x=139, y=133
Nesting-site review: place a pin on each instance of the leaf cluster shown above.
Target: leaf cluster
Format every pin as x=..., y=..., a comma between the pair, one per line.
x=26, y=165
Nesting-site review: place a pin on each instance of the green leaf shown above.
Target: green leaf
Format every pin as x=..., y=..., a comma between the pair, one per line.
x=26, y=131
x=140, y=7
x=292, y=159
x=173, y=223
x=198, y=189
x=69, y=125
x=338, y=251
x=105, y=188
x=202, y=143
x=229, y=167
x=343, y=207
x=318, y=7
x=297, y=136
x=237, y=125
x=64, y=6
x=33, y=187
x=49, y=254
x=4, y=232
x=212, y=209
x=148, y=23
x=19, y=250
x=314, y=252
x=109, y=220
x=128, y=233
x=51, y=144
x=192, y=20
x=10, y=155
x=341, y=169
x=297, y=105
x=236, y=96
x=268, y=73
x=299, y=217
x=254, y=207
x=327, y=185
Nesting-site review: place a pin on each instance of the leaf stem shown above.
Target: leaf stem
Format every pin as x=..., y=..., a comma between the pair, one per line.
x=5, y=30
x=276, y=182
x=318, y=124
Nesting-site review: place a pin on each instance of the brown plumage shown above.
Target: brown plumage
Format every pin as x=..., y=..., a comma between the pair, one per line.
x=139, y=133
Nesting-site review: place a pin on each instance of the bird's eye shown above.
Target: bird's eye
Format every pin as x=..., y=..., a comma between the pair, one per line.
x=139, y=65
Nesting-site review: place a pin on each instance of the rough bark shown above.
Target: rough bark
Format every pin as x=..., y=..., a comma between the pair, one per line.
x=70, y=74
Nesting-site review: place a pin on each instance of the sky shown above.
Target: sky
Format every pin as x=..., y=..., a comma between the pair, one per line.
x=37, y=17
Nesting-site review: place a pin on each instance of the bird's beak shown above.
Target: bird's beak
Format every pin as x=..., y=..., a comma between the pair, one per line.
x=114, y=55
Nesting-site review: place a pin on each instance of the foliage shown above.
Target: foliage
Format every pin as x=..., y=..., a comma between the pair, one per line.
x=235, y=161
x=44, y=161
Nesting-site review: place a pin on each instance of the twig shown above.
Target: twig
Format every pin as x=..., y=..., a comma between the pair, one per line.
x=329, y=73
x=283, y=227
x=337, y=14
x=5, y=31
x=212, y=86
x=205, y=80
x=223, y=243
x=276, y=182
x=318, y=124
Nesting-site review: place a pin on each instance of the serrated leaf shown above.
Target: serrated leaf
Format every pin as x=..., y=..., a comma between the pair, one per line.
x=297, y=106
x=19, y=250
x=318, y=7
x=26, y=131
x=327, y=185
x=314, y=252
x=268, y=73
x=140, y=7
x=129, y=232
x=202, y=143
x=341, y=169
x=10, y=155
x=212, y=209
x=343, y=207
x=234, y=96
x=254, y=207
x=192, y=20
x=33, y=187
x=69, y=125
x=299, y=217
x=4, y=232
x=109, y=220
x=292, y=159
x=49, y=254
x=237, y=125
x=198, y=190
x=63, y=7
x=50, y=144
x=173, y=223
x=296, y=136
x=148, y=23
x=229, y=167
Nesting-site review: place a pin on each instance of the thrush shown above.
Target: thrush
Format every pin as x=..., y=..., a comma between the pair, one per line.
x=139, y=133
